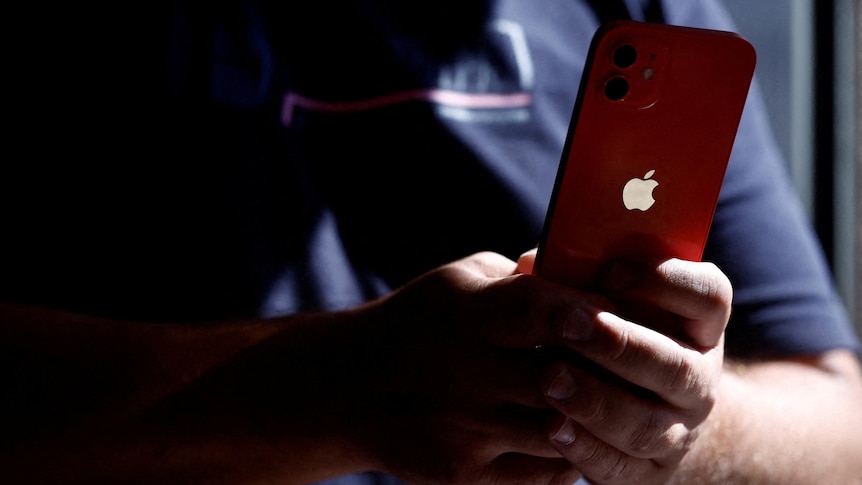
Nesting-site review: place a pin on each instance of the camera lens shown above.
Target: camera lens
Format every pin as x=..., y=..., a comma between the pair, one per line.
x=616, y=88
x=625, y=56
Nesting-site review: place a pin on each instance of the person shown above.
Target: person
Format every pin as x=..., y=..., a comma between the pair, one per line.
x=247, y=242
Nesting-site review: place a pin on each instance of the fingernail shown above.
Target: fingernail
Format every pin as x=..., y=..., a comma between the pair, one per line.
x=618, y=278
x=578, y=325
x=566, y=434
x=562, y=387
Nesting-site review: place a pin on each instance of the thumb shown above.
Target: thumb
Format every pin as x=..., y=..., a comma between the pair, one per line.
x=526, y=261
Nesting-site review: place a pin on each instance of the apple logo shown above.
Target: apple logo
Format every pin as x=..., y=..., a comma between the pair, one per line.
x=637, y=193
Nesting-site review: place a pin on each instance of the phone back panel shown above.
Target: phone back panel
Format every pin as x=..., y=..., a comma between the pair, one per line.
x=657, y=103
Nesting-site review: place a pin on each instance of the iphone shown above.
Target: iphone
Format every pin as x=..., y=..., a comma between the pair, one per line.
x=650, y=137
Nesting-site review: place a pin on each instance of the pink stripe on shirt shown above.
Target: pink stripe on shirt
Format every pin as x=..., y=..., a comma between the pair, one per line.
x=440, y=96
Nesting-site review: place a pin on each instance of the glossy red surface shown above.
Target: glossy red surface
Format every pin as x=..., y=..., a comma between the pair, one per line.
x=678, y=119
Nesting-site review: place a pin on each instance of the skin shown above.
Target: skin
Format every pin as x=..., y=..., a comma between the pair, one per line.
x=634, y=419
x=784, y=421
x=458, y=377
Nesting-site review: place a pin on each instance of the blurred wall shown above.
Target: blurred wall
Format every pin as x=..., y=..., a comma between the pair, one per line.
x=809, y=63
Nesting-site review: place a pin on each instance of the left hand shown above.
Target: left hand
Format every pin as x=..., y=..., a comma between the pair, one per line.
x=634, y=394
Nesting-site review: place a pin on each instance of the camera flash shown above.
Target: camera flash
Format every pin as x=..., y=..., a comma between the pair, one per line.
x=648, y=74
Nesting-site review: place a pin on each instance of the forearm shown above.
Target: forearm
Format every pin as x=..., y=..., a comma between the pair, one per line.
x=782, y=422
x=94, y=400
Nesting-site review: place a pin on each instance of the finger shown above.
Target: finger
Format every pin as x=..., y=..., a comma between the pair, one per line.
x=698, y=292
x=526, y=262
x=679, y=374
x=487, y=432
x=519, y=310
x=516, y=429
x=598, y=461
x=634, y=422
x=516, y=468
x=505, y=377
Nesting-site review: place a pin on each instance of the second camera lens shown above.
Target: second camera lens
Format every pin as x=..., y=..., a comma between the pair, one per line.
x=616, y=88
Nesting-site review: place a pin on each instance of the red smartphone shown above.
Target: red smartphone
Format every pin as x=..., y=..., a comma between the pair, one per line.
x=648, y=145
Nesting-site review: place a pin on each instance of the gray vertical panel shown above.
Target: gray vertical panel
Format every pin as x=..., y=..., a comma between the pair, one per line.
x=858, y=192
x=844, y=170
x=802, y=100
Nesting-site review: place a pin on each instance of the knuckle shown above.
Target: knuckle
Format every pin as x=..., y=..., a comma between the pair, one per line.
x=605, y=464
x=596, y=410
x=600, y=462
x=524, y=287
x=519, y=293
x=688, y=378
x=659, y=435
x=620, y=346
x=616, y=470
x=511, y=296
x=593, y=456
x=716, y=289
x=446, y=280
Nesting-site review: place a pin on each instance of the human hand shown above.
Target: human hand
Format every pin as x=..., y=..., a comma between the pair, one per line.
x=448, y=386
x=635, y=396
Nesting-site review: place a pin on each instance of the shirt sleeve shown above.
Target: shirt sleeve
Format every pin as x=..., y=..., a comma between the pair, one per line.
x=785, y=301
